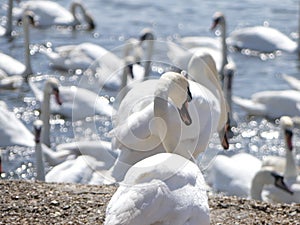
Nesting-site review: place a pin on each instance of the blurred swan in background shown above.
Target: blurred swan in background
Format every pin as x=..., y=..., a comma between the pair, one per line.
x=12, y=71
x=162, y=189
x=271, y=104
x=7, y=31
x=293, y=82
x=77, y=103
x=49, y=13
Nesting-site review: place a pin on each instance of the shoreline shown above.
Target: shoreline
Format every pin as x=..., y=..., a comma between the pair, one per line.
x=34, y=202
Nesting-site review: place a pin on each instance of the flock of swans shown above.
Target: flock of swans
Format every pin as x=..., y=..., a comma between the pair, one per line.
x=161, y=126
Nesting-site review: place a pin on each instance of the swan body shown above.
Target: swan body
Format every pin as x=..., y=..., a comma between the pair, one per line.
x=271, y=104
x=161, y=189
x=262, y=39
x=49, y=13
x=77, y=103
x=233, y=175
x=13, y=131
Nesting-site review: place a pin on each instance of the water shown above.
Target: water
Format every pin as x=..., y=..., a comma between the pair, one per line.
x=118, y=20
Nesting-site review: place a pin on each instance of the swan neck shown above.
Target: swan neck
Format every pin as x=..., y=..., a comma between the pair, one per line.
x=290, y=168
x=28, y=69
x=74, y=6
x=228, y=90
x=40, y=169
x=45, y=117
x=148, y=58
x=123, y=89
x=256, y=188
x=9, y=18
x=224, y=48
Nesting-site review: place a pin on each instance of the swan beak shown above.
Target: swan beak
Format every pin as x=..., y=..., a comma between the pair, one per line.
x=57, y=96
x=184, y=114
x=223, y=137
x=190, y=97
x=130, y=70
x=279, y=182
x=288, y=137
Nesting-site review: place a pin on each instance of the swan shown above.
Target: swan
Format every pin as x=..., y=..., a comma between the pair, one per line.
x=12, y=67
x=267, y=177
x=290, y=172
x=141, y=123
x=271, y=104
x=180, y=56
x=43, y=153
x=49, y=13
x=162, y=189
x=262, y=39
x=13, y=131
x=78, y=103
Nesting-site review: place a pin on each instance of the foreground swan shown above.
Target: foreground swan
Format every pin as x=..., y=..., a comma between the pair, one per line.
x=262, y=39
x=151, y=124
x=162, y=189
x=78, y=103
x=49, y=13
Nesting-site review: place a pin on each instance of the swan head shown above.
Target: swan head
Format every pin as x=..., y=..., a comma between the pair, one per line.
x=218, y=20
x=87, y=17
x=287, y=125
x=52, y=87
x=146, y=35
x=37, y=125
x=28, y=16
x=180, y=94
x=267, y=177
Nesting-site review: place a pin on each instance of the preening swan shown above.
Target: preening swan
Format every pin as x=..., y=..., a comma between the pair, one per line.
x=49, y=13
x=162, y=189
x=271, y=104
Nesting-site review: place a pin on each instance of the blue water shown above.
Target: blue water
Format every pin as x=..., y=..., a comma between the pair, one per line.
x=118, y=20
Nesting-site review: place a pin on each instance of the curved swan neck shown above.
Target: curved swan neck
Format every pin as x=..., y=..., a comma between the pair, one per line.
x=28, y=69
x=45, y=117
x=290, y=166
x=9, y=18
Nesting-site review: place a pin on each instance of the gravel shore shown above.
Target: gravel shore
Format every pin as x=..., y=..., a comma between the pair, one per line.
x=28, y=202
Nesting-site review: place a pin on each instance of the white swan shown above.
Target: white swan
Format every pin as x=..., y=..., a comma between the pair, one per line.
x=151, y=124
x=233, y=175
x=266, y=177
x=262, y=39
x=162, y=189
x=271, y=104
x=13, y=131
x=291, y=173
x=78, y=103
x=13, y=71
x=49, y=13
